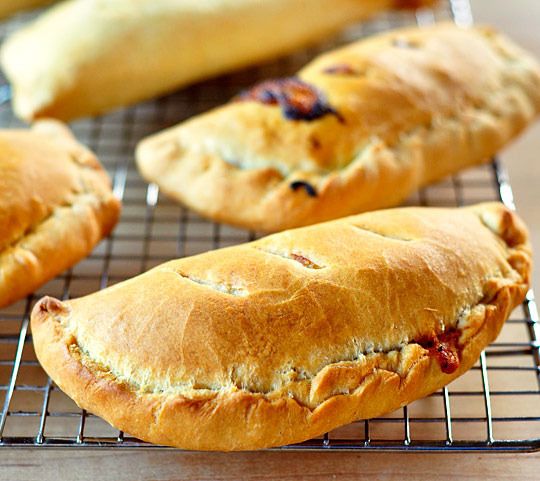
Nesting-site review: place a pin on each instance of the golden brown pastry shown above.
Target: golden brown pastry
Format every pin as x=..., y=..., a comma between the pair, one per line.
x=9, y=7
x=282, y=339
x=358, y=129
x=55, y=205
x=85, y=57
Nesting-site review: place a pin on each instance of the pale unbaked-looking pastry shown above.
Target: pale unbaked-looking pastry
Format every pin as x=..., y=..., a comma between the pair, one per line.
x=9, y=7
x=358, y=129
x=282, y=339
x=85, y=57
x=55, y=205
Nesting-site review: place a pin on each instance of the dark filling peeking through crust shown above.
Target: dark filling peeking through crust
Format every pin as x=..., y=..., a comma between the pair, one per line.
x=297, y=99
x=302, y=184
x=445, y=348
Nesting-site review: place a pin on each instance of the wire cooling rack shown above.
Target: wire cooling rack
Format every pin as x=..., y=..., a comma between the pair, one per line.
x=493, y=407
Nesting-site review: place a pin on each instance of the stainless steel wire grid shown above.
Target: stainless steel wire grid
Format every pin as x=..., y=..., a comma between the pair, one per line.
x=493, y=407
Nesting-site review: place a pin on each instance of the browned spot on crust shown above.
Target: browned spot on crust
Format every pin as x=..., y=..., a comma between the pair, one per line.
x=341, y=69
x=315, y=143
x=445, y=348
x=297, y=99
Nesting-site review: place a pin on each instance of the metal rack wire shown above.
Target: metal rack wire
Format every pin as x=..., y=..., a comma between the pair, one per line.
x=494, y=407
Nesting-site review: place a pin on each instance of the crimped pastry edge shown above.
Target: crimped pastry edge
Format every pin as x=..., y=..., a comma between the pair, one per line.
x=80, y=224
x=239, y=420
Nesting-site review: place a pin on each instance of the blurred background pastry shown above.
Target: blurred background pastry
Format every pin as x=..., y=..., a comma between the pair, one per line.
x=9, y=7
x=86, y=57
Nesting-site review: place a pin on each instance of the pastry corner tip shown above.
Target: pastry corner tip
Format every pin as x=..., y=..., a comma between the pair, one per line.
x=47, y=306
x=504, y=222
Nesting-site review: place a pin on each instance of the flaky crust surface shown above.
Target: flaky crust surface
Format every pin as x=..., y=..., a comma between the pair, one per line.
x=411, y=106
x=55, y=205
x=85, y=57
x=282, y=339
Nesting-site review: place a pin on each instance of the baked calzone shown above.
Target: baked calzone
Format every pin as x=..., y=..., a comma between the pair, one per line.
x=85, y=57
x=284, y=338
x=358, y=129
x=55, y=205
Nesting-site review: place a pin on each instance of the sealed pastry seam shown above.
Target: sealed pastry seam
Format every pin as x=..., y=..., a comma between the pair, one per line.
x=377, y=358
x=80, y=199
x=418, y=133
x=83, y=198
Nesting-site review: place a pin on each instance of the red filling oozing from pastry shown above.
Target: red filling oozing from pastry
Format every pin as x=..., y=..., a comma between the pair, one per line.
x=298, y=99
x=445, y=348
